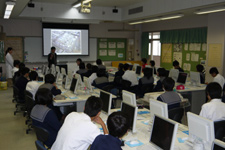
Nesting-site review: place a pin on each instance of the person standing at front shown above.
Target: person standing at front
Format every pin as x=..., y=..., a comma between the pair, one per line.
x=52, y=57
x=9, y=65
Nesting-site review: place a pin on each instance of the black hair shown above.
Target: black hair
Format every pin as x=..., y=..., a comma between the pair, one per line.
x=78, y=59
x=49, y=78
x=147, y=72
x=25, y=70
x=175, y=63
x=82, y=65
x=144, y=60
x=94, y=69
x=33, y=75
x=52, y=48
x=200, y=68
x=8, y=49
x=214, y=90
x=16, y=62
x=21, y=66
x=126, y=67
x=43, y=96
x=118, y=124
x=168, y=84
x=213, y=70
x=89, y=66
x=152, y=62
x=121, y=66
x=98, y=61
x=101, y=73
x=161, y=72
x=93, y=106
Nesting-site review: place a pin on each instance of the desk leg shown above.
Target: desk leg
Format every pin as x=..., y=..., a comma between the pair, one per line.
x=80, y=106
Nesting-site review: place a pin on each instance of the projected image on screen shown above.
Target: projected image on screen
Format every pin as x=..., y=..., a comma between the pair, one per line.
x=66, y=41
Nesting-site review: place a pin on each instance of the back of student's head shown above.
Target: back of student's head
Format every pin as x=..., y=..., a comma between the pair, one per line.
x=33, y=75
x=118, y=124
x=126, y=67
x=25, y=70
x=200, y=68
x=52, y=48
x=175, y=63
x=16, y=63
x=101, y=73
x=121, y=66
x=21, y=65
x=98, y=61
x=94, y=69
x=88, y=66
x=144, y=60
x=43, y=96
x=152, y=63
x=168, y=84
x=147, y=72
x=93, y=106
x=161, y=72
x=213, y=70
x=214, y=90
x=49, y=78
x=82, y=65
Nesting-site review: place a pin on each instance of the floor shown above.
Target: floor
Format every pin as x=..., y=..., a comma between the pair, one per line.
x=12, y=128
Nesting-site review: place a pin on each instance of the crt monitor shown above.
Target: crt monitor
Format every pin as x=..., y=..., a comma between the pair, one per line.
x=138, y=70
x=174, y=74
x=131, y=111
x=107, y=101
x=129, y=98
x=135, y=66
x=195, y=78
x=218, y=145
x=163, y=133
x=182, y=77
x=73, y=84
x=158, y=108
x=200, y=129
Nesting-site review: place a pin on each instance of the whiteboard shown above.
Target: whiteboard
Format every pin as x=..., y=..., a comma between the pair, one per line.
x=33, y=48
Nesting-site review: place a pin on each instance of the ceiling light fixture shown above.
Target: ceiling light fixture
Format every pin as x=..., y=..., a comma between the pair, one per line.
x=8, y=9
x=210, y=10
x=79, y=3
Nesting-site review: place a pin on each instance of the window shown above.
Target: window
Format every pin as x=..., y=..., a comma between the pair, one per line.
x=154, y=44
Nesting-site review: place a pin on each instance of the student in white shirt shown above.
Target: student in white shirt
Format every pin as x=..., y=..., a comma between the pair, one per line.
x=33, y=85
x=130, y=75
x=214, y=109
x=217, y=77
x=94, y=74
x=78, y=131
x=16, y=66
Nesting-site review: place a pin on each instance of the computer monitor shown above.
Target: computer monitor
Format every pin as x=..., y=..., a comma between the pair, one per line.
x=182, y=77
x=57, y=69
x=131, y=111
x=87, y=84
x=135, y=66
x=158, y=108
x=73, y=85
x=80, y=84
x=218, y=145
x=63, y=71
x=174, y=74
x=147, y=66
x=195, y=78
x=57, y=76
x=138, y=70
x=200, y=129
x=107, y=101
x=129, y=98
x=46, y=70
x=163, y=133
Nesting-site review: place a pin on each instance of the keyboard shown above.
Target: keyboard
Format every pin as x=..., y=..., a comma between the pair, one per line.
x=69, y=94
x=149, y=146
x=182, y=128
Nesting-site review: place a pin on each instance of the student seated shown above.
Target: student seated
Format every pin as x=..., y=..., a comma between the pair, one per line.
x=118, y=125
x=147, y=79
x=89, y=70
x=78, y=130
x=21, y=83
x=50, y=84
x=161, y=73
x=94, y=74
x=120, y=71
x=82, y=69
x=78, y=61
x=33, y=85
x=144, y=62
x=176, y=65
x=152, y=64
x=170, y=97
x=101, y=78
x=18, y=73
x=200, y=69
x=130, y=75
x=16, y=64
x=216, y=76
x=43, y=116
x=100, y=65
x=214, y=109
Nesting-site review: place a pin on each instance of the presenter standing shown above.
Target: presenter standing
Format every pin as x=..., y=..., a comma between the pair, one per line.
x=52, y=57
x=9, y=65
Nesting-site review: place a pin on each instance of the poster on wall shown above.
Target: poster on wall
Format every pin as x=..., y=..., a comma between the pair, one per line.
x=187, y=67
x=102, y=52
x=102, y=44
x=194, y=57
x=215, y=55
x=186, y=47
x=188, y=57
x=120, y=55
x=178, y=56
x=120, y=45
x=112, y=52
x=204, y=47
x=177, y=47
x=166, y=53
x=112, y=44
x=195, y=47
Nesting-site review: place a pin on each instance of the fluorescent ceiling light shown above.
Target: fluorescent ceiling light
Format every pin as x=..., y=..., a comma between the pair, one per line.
x=8, y=9
x=151, y=20
x=133, y=23
x=171, y=17
x=77, y=5
x=210, y=10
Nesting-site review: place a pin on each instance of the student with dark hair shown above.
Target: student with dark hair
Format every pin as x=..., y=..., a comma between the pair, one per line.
x=216, y=76
x=43, y=116
x=129, y=75
x=161, y=73
x=147, y=79
x=94, y=74
x=101, y=77
x=21, y=83
x=118, y=125
x=100, y=65
x=120, y=71
x=214, y=109
x=18, y=73
x=200, y=68
x=50, y=84
x=16, y=64
x=52, y=57
x=89, y=70
x=82, y=69
x=78, y=130
x=33, y=85
x=170, y=97
x=152, y=64
x=9, y=65
x=78, y=61
x=176, y=65
x=144, y=62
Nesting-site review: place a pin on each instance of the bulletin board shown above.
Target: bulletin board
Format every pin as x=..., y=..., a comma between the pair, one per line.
x=189, y=55
x=111, y=49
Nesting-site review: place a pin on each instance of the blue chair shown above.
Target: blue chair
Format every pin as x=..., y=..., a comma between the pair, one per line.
x=39, y=145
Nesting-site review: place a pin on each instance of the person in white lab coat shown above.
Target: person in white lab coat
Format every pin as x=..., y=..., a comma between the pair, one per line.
x=9, y=65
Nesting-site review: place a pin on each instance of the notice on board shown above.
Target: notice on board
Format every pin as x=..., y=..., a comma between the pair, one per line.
x=215, y=55
x=166, y=53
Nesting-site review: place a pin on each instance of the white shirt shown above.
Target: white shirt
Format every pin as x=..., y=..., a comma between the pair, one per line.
x=76, y=133
x=92, y=77
x=213, y=110
x=32, y=87
x=130, y=76
x=14, y=70
x=9, y=65
x=219, y=79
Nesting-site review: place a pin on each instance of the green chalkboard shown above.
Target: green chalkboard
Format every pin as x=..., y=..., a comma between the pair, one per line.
x=2, y=55
x=112, y=49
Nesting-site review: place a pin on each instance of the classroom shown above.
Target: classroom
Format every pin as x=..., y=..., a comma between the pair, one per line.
x=114, y=32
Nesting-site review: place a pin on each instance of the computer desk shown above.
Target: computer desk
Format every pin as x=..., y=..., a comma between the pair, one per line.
x=143, y=132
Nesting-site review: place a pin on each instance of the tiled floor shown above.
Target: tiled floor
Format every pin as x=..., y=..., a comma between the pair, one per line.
x=12, y=128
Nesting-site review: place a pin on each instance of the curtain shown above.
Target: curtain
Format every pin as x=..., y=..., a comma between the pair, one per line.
x=144, y=44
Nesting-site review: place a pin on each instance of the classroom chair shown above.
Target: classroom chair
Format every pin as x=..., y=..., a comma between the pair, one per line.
x=176, y=114
x=41, y=134
x=39, y=145
x=20, y=107
x=219, y=128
